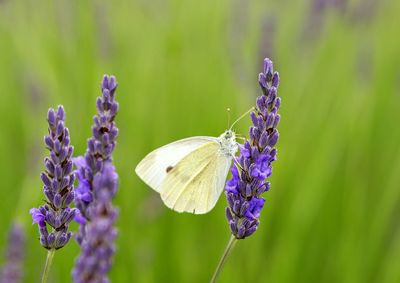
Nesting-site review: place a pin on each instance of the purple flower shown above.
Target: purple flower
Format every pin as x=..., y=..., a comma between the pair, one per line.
x=12, y=269
x=248, y=182
x=100, y=146
x=262, y=168
x=98, y=183
x=37, y=216
x=58, y=186
x=83, y=190
x=97, y=248
x=319, y=6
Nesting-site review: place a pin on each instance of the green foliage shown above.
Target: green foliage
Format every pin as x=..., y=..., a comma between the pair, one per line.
x=332, y=212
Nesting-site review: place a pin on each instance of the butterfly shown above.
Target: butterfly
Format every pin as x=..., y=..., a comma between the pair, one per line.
x=190, y=174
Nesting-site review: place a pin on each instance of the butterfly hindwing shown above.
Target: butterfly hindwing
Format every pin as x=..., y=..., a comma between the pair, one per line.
x=195, y=183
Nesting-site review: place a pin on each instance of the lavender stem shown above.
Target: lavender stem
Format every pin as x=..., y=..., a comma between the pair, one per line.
x=228, y=249
x=49, y=261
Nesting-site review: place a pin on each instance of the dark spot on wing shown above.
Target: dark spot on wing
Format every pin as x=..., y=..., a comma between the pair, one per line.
x=169, y=168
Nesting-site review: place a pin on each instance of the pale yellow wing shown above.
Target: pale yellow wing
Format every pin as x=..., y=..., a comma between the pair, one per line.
x=196, y=182
x=153, y=168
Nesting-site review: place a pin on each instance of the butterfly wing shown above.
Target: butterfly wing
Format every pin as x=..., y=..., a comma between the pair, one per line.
x=154, y=167
x=196, y=182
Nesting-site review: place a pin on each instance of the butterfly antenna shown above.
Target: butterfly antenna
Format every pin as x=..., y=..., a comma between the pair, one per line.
x=241, y=117
x=228, y=112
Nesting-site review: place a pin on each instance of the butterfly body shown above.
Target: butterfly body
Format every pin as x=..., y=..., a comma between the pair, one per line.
x=228, y=144
x=190, y=174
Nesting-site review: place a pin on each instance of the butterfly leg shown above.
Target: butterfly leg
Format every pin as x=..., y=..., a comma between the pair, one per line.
x=237, y=163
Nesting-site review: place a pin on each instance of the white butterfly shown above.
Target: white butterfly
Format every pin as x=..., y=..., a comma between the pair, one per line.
x=190, y=173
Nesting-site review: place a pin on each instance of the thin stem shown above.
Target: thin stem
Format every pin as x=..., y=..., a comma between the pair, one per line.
x=225, y=255
x=49, y=260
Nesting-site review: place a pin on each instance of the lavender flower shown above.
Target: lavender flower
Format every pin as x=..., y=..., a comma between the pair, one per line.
x=58, y=185
x=97, y=187
x=320, y=6
x=12, y=270
x=100, y=148
x=97, y=248
x=244, y=189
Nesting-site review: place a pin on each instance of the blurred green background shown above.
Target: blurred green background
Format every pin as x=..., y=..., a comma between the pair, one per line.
x=333, y=211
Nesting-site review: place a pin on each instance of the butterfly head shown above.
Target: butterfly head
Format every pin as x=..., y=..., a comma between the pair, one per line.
x=228, y=143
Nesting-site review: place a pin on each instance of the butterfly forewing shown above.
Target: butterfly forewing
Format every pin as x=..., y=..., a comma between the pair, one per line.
x=154, y=167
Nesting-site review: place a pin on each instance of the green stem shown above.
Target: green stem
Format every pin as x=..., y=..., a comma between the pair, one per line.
x=225, y=255
x=49, y=260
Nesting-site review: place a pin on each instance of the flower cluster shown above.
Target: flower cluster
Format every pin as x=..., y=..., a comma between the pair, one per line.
x=97, y=248
x=98, y=183
x=12, y=270
x=100, y=148
x=248, y=182
x=58, y=186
